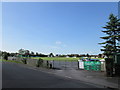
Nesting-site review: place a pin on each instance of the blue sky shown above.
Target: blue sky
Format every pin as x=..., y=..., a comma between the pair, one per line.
x=57, y=27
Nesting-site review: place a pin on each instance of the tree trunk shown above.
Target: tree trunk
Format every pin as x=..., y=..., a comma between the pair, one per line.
x=109, y=67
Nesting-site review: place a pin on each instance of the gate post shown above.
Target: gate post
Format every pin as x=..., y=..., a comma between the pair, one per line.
x=78, y=64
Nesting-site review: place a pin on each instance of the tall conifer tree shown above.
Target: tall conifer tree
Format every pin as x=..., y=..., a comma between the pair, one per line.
x=113, y=37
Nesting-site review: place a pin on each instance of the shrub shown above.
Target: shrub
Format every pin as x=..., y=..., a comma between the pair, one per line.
x=5, y=57
x=24, y=60
x=39, y=62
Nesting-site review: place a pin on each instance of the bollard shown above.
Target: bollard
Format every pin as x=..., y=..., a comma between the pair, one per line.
x=50, y=64
x=53, y=64
x=47, y=64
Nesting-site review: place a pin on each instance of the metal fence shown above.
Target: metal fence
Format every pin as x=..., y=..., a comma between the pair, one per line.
x=55, y=64
x=64, y=64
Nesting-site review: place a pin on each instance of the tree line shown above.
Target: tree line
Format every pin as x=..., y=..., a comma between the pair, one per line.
x=27, y=53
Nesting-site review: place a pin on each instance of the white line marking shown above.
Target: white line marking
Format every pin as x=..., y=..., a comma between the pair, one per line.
x=68, y=77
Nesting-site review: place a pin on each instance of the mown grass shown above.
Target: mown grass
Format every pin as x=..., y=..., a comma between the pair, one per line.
x=57, y=58
x=9, y=61
x=62, y=58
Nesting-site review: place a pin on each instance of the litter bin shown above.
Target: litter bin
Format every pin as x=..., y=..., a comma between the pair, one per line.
x=87, y=65
x=92, y=65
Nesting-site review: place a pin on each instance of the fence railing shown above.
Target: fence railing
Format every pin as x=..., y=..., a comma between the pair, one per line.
x=66, y=64
x=55, y=64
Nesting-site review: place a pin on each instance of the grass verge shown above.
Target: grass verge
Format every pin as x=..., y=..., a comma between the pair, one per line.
x=9, y=61
x=62, y=58
x=57, y=58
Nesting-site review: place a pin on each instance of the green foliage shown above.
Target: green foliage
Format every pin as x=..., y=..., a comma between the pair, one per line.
x=57, y=58
x=32, y=53
x=24, y=60
x=39, y=62
x=51, y=55
x=113, y=35
x=5, y=55
x=23, y=52
x=10, y=61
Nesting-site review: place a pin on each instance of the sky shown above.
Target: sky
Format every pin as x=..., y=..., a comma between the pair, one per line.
x=60, y=0
x=57, y=27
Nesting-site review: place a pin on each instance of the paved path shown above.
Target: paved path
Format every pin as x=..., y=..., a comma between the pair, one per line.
x=20, y=76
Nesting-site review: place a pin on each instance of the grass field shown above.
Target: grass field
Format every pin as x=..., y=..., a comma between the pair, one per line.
x=9, y=61
x=61, y=58
x=57, y=58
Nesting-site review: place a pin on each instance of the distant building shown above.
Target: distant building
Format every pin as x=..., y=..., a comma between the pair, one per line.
x=74, y=57
x=67, y=56
x=23, y=52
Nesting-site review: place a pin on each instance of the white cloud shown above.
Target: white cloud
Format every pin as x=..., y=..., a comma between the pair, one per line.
x=58, y=42
x=61, y=44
